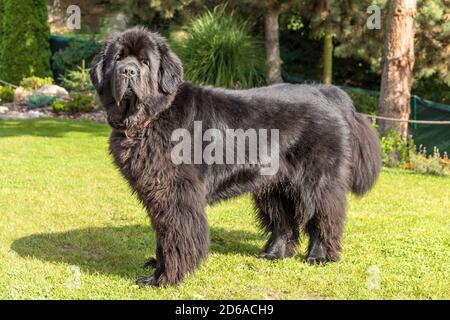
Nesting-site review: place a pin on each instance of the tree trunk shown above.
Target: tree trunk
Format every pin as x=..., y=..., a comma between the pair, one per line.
x=398, y=63
x=328, y=56
x=273, y=59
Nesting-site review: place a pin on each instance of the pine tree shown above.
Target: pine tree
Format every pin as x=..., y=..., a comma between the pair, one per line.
x=329, y=19
x=398, y=63
x=24, y=47
x=432, y=38
x=271, y=11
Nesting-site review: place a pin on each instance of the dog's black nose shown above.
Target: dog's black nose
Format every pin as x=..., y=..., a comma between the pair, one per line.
x=129, y=71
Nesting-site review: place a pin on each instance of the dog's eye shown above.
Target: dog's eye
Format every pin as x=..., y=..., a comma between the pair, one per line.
x=119, y=57
x=145, y=61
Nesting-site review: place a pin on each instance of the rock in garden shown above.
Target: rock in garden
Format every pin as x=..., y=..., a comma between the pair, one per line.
x=54, y=91
x=21, y=95
x=3, y=110
x=34, y=114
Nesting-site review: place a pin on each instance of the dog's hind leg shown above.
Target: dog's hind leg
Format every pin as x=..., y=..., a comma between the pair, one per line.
x=325, y=227
x=276, y=215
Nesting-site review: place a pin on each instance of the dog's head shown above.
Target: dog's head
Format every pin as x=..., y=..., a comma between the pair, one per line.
x=133, y=74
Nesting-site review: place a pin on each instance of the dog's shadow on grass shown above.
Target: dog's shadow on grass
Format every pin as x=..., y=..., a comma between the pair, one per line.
x=119, y=250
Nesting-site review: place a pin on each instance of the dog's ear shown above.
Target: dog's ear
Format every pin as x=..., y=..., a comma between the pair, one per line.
x=96, y=69
x=170, y=74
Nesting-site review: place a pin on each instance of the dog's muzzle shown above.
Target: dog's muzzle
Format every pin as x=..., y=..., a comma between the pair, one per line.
x=129, y=71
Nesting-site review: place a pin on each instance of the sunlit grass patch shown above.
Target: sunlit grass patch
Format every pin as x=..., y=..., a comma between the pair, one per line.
x=69, y=228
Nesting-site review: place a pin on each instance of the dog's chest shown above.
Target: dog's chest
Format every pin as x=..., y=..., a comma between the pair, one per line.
x=141, y=160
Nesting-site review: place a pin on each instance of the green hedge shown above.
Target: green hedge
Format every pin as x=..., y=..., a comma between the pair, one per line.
x=24, y=39
x=432, y=88
x=2, y=15
x=364, y=103
x=71, y=57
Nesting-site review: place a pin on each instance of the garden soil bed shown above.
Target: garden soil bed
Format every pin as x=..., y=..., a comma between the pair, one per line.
x=18, y=111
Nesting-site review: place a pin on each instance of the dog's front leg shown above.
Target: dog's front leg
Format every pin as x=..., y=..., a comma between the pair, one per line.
x=182, y=240
x=152, y=263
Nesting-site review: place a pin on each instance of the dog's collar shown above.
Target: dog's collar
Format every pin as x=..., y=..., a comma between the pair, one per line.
x=147, y=123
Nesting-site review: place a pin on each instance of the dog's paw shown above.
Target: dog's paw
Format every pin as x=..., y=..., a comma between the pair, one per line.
x=277, y=254
x=151, y=264
x=147, y=281
x=269, y=256
x=158, y=279
x=312, y=260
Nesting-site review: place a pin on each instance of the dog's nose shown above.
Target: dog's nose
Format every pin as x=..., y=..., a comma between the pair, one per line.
x=129, y=71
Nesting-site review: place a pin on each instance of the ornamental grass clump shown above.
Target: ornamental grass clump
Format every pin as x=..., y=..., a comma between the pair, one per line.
x=220, y=51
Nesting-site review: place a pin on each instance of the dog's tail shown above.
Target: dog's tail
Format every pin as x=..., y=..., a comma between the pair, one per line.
x=366, y=151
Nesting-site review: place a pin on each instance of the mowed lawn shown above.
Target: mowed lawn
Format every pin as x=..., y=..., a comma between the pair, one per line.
x=70, y=229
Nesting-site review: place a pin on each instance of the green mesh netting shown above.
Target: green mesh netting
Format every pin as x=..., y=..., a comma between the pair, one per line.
x=430, y=135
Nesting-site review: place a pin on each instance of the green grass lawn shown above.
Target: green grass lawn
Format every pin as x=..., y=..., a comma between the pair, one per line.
x=65, y=212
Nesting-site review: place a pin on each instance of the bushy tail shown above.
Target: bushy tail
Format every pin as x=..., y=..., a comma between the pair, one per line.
x=366, y=155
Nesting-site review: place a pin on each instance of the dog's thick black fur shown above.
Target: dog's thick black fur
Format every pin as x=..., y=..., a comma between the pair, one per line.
x=326, y=150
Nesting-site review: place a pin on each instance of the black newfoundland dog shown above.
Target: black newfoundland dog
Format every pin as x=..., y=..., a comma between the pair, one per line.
x=325, y=149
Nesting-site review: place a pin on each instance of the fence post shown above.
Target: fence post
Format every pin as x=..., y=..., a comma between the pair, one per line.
x=414, y=107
